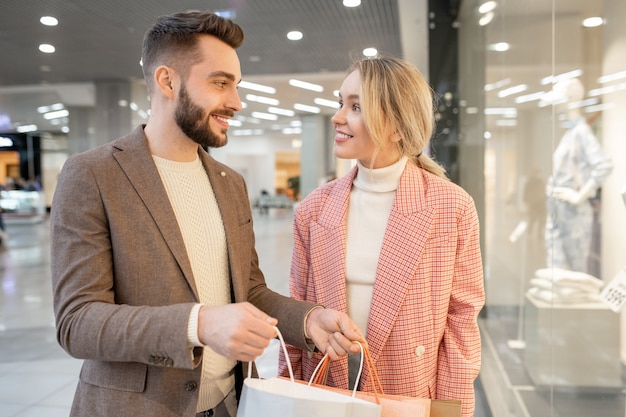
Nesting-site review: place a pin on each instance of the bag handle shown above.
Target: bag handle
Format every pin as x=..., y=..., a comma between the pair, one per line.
x=322, y=367
x=284, y=346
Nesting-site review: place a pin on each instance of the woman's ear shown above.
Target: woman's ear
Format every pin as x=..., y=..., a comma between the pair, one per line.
x=395, y=137
x=164, y=80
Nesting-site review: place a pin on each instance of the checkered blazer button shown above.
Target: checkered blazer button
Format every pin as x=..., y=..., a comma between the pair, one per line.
x=419, y=351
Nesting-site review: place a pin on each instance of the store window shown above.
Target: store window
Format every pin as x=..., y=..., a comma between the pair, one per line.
x=543, y=90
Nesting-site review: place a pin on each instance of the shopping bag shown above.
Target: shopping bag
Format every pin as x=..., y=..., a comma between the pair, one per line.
x=287, y=398
x=392, y=405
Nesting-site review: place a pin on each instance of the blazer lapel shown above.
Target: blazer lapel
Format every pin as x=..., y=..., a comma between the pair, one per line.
x=405, y=238
x=228, y=197
x=136, y=161
x=329, y=246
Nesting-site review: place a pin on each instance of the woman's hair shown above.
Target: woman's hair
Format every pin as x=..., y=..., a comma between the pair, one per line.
x=173, y=38
x=395, y=97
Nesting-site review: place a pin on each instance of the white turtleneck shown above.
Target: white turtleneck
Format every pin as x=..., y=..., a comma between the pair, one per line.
x=371, y=198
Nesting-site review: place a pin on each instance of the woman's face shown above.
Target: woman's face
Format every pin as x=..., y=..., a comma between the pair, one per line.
x=352, y=138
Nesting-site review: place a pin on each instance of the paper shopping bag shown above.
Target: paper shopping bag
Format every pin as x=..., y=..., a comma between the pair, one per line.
x=392, y=405
x=287, y=398
x=275, y=397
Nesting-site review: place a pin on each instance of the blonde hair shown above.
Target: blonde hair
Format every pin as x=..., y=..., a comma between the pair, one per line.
x=395, y=97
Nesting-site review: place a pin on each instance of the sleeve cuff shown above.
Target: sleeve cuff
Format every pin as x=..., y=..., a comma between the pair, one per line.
x=192, y=327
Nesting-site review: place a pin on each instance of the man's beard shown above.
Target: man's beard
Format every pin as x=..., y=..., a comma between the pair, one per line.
x=194, y=122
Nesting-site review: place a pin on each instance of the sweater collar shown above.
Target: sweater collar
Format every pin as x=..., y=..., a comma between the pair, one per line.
x=380, y=180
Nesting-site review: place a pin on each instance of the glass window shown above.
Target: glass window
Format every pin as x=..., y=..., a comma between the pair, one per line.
x=543, y=90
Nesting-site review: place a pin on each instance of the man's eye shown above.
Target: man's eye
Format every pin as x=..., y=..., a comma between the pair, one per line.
x=220, y=84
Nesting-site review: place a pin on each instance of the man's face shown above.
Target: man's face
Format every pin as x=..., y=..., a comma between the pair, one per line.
x=208, y=98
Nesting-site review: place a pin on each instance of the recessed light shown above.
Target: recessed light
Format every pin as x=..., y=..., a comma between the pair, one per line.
x=351, y=3
x=48, y=21
x=46, y=48
x=304, y=107
x=257, y=87
x=306, y=85
x=370, y=52
x=487, y=7
x=294, y=35
x=592, y=22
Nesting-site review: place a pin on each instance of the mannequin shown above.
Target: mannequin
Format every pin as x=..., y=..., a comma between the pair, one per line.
x=580, y=166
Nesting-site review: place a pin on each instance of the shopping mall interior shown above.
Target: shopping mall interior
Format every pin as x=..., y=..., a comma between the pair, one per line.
x=553, y=342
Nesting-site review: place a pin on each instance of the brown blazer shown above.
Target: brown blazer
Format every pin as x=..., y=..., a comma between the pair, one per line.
x=123, y=286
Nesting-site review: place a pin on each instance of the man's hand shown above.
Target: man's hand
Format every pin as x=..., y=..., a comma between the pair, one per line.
x=237, y=331
x=333, y=332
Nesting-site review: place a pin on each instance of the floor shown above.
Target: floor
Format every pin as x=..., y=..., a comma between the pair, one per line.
x=38, y=378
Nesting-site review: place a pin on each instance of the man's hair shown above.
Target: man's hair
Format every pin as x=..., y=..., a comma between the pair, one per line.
x=173, y=38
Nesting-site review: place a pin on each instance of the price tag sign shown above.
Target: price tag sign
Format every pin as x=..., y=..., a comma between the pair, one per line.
x=614, y=294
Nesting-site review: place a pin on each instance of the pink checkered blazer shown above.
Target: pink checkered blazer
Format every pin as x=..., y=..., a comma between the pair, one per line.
x=422, y=332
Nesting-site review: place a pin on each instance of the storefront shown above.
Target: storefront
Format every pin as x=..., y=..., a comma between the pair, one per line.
x=542, y=90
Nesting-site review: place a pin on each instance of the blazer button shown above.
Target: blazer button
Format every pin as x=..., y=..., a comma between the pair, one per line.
x=419, y=351
x=191, y=386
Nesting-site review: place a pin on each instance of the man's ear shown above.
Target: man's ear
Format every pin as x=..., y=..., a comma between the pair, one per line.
x=164, y=80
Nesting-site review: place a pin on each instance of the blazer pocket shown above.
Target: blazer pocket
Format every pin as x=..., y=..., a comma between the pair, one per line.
x=440, y=240
x=121, y=376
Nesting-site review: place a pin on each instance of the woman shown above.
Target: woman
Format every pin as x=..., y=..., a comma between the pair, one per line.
x=393, y=243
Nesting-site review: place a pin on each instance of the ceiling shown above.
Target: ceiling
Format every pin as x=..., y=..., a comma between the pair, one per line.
x=101, y=41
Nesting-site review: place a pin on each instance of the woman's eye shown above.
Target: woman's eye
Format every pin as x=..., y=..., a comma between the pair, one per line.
x=356, y=107
x=341, y=104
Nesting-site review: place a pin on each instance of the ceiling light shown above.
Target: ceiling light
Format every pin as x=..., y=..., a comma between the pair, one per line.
x=530, y=97
x=264, y=116
x=294, y=35
x=226, y=14
x=257, y=87
x=46, y=48
x=500, y=47
x=486, y=19
x=501, y=111
x=327, y=103
x=552, y=79
x=248, y=132
x=53, y=107
x=306, y=85
x=282, y=112
x=592, y=22
x=487, y=7
x=512, y=90
x=49, y=21
x=370, y=52
x=56, y=114
x=291, y=130
x=26, y=128
x=351, y=3
x=261, y=99
x=612, y=77
x=304, y=107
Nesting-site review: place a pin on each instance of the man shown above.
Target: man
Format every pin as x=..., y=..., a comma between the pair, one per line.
x=155, y=276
